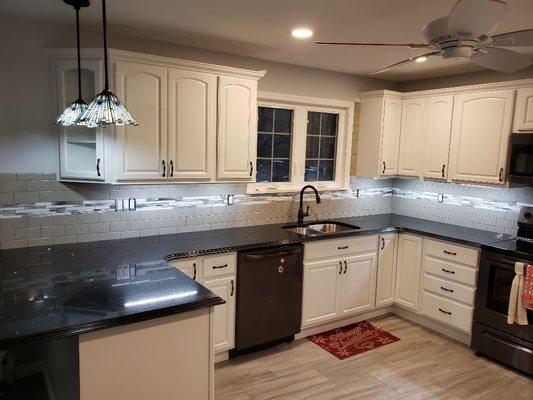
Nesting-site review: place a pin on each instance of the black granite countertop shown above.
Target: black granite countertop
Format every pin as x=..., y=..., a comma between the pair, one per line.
x=57, y=291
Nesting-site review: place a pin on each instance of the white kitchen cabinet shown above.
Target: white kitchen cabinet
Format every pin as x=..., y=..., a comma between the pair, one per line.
x=480, y=135
x=192, y=98
x=81, y=149
x=192, y=267
x=436, y=137
x=141, y=151
x=321, y=291
x=413, y=112
x=358, y=284
x=379, y=134
x=386, y=274
x=408, y=271
x=523, y=118
x=224, y=318
x=237, y=128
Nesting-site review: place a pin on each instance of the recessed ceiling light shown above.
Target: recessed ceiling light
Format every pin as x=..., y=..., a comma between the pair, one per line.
x=421, y=59
x=302, y=33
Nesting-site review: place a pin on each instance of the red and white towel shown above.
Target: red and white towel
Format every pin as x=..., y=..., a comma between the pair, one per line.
x=521, y=295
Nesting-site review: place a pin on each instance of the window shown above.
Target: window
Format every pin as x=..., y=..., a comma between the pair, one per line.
x=302, y=140
x=274, y=144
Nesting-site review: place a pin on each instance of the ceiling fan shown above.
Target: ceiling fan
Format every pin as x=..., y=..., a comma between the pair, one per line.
x=465, y=34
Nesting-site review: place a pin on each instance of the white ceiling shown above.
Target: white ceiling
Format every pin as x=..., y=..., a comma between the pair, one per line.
x=261, y=29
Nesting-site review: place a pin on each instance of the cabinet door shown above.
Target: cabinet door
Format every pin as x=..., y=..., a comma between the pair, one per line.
x=191, y=124
x=237, y=128
x=408, y=271
x=142, y=150
x=358, y=281
x=411, y=137
x=392, y=119
x=224, y=319
x=437, y=131
x=480, y=135
x=321, y=291
x=523, y=119
x=388, y=245
x=192, y=267
x=81, y=149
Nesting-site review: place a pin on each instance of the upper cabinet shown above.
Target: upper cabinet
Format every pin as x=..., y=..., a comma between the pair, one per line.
x=379, y=135
x=436, y=137
x=413, y=111
x=523, y=119
x=237, y=128
x=480, y=133
x=197, y=122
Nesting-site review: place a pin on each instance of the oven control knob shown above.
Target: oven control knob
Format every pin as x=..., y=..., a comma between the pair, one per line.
x=527, y=215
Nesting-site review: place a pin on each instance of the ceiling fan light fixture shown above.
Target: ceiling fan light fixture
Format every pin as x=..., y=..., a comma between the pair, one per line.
x=421, y=59
x=302, y=33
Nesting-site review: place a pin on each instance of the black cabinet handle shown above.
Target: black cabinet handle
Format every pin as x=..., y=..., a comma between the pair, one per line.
x=447, y=271
x=447, y=290
x=98, y=167
x=340, y=270
x=444, y=311
x=220, y=266
x=451, y=253
x=164, y=168
x=382, y=244
x=345, y=266
x=171, y=168
x=251, y=168
x=501, y=175
x=342, y=247
x=443, y=168
x=194, y=266
x=384, y=167
x=232, y=288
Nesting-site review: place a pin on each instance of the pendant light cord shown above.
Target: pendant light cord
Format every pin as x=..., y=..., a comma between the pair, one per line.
x=105, y=45
x=78, y=47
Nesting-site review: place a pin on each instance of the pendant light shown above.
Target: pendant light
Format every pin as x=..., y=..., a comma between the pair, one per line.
x=106, y=108
x=75, y=110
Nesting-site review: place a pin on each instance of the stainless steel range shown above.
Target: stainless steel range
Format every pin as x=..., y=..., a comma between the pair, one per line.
x=511, y=344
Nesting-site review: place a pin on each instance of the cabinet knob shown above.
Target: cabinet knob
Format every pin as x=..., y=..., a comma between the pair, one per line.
x=171, y=168
x=164, y=168
x=384, y=167
x=232, y=288
x=340, y=270
x=501, y=175
x=98, y=167
x=443, y=169
x=251, y=168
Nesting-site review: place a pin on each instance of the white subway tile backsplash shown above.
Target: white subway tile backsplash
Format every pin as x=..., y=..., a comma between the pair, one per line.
x=100, y=227
x=72, y=230
x=27, y=233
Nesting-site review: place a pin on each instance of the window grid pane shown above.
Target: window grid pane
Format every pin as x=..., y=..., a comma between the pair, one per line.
x=322, y=131
x=274, y=144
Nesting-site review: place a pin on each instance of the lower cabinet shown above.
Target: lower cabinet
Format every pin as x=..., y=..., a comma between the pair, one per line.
x=408, y=271
x=386, y=279
x=358, y=283
x=224, y=326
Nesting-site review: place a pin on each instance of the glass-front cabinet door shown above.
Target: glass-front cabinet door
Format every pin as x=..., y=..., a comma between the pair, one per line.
x=81, y=149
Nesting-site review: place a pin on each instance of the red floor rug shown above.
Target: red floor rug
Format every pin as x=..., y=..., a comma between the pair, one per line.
x=353, y=339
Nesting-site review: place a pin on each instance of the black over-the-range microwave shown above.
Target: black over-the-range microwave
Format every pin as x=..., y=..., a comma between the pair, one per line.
x=521, y=159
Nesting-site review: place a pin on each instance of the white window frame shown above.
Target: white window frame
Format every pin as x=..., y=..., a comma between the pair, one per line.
x=300, y=106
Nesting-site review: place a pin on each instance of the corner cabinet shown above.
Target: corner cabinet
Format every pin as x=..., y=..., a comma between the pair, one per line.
x=480, y=136
x=408, y=271
x=386, y=276
x=237, y=128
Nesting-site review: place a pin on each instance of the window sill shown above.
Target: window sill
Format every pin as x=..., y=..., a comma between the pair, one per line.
x=271, y=188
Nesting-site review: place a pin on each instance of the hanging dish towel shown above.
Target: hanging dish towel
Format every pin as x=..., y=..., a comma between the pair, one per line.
x=517, y=312
x=528, y=287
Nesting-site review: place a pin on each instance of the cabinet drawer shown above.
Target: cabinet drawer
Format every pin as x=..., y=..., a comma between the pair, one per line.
x=220, y=265
x=452, y=252
x=340, y=247
x=447, y=311
x=450, y=270
x=449, y=289
x=191, y=267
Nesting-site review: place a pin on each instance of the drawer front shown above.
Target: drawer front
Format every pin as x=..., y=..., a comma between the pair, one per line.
x=447, y=311
x=340, y=247
x=191, y=267
x=452, y=252
x=220, y=265
x=449, y=270
x=446, y=288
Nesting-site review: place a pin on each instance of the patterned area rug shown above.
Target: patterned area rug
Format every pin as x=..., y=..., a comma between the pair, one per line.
x=353, y=339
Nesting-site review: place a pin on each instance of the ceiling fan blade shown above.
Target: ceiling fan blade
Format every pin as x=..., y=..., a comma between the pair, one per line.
x=514, y=39
x=411, y=45
x=473, y=18
x=501, y=60
x=434, y=53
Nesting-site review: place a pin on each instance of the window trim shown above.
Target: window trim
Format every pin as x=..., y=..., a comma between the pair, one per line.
x=301, y=105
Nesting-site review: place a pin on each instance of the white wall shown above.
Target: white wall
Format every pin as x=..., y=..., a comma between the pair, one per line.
x=27, y=138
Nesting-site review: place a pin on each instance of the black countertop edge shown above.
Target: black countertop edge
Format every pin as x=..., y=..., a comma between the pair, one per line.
x=81, y=329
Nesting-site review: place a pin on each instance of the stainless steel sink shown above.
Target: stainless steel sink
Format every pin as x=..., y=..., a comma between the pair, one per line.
x=321, y=228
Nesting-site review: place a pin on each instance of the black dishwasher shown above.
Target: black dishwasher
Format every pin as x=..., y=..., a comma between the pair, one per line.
x=269, y=297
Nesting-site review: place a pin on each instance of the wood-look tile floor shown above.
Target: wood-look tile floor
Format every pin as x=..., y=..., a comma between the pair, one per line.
x=422, y=365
